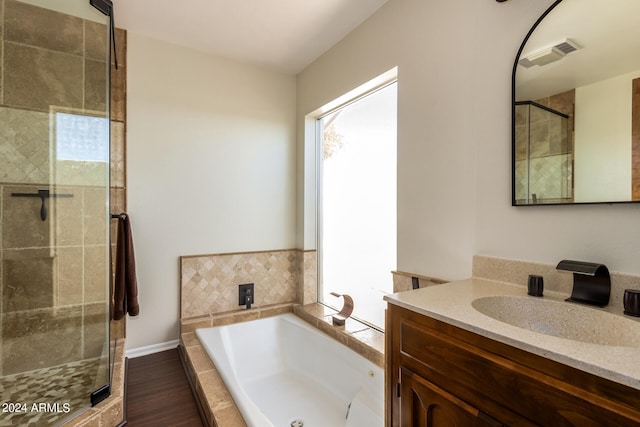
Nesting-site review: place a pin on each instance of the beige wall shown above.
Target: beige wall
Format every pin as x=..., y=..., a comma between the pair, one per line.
x=211, y=168
x=455, y=60
x=603, y=131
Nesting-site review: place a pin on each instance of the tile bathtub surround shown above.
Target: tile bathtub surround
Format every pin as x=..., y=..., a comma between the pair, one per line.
x=307, y=276
x=209, y=283
x=517, y=272
x=217, y=403
x=215, y=400
x=190, y=324
x=366, y=341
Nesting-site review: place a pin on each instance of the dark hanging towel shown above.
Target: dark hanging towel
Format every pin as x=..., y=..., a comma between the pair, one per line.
x=125, y=293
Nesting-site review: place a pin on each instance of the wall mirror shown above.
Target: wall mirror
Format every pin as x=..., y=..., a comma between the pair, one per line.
x=576, y=105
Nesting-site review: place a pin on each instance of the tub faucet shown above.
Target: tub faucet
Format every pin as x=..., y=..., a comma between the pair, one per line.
x=245, y=295
x=248, y=298
x=345, y=312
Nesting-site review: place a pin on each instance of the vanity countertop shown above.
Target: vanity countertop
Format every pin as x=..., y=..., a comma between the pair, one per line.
x=452, y=303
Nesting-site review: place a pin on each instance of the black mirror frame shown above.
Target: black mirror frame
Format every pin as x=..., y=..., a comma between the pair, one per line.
x=513, y=125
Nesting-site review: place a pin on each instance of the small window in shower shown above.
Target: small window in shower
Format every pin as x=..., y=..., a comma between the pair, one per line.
x=81, y=137
x=357, y=203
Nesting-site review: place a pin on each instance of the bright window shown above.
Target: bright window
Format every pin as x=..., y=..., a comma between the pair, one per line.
x=357, y=203
x=82, y=138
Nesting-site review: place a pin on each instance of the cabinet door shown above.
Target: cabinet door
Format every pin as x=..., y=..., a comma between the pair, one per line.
x=423, y=404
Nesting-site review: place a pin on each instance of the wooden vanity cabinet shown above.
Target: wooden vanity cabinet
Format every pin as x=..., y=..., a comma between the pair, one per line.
x=441, y=375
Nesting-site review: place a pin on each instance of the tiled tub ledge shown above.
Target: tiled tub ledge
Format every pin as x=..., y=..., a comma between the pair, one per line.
x=215, y=400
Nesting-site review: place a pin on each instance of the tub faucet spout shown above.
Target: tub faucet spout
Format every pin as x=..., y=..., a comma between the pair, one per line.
x=345, y=312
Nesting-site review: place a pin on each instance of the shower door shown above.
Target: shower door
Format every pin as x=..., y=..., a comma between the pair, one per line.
x=54, y=190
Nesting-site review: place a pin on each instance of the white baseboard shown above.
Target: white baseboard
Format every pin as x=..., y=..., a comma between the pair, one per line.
x=150, y=349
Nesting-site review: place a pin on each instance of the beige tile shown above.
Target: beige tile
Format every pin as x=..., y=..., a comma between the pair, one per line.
x=121, y=47
x=22, y=226
x=199, y=359
x=96, y=43
x=209, y=283
x=235, y=317
x=37, y=78
x=27, y=279
x=95, y=216
x=212, y=383
x=36, y=26
x=89, y=418
x=118, y=93
x=310, y=278
x=95, y=85
x=373, y=341
x=118, y=161
x=96, y=272
x=118, y=328
x=66, y=214
x=365, y=341
x=94, y=329
x=212, y=387
x=68, y=284
x=117, y=201
x=190, y=325
x=229, y=417
x=113, y=413
x=24, y=155
x=276, y=310
x=117, y=384
x=40, y=338
x=189, y=339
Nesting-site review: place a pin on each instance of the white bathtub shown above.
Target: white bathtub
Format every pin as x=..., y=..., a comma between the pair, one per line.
x=280, y=370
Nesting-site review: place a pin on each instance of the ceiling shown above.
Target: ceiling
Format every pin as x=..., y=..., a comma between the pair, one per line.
x=285, y=35
x=608, y=34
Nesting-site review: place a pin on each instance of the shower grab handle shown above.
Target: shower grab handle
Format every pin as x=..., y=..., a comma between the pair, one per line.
x=345, y=312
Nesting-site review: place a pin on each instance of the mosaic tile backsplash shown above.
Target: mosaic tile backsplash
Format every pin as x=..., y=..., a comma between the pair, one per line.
x=209, y=283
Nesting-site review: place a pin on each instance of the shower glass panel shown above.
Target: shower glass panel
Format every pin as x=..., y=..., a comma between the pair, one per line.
x=544, y=155
x=54, y=192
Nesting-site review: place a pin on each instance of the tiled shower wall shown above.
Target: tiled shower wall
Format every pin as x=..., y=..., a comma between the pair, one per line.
x=209, y=283
x=52, y=272
x=546, y=167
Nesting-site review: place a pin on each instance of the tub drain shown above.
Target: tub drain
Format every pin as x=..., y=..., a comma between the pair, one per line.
x=297, y=423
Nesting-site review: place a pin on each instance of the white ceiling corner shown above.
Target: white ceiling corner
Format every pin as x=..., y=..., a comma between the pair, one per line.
x=284, y=35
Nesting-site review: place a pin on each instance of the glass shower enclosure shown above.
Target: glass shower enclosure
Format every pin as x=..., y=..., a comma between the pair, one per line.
x=543, y=155
x=54, y=210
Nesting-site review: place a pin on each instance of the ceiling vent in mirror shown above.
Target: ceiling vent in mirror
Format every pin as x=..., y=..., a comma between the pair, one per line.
x=550, y=54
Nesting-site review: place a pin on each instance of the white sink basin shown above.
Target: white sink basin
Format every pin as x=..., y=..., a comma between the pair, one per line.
x=561, y=319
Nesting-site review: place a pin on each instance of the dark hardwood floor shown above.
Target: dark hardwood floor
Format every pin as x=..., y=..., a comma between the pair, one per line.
x=158, y=392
